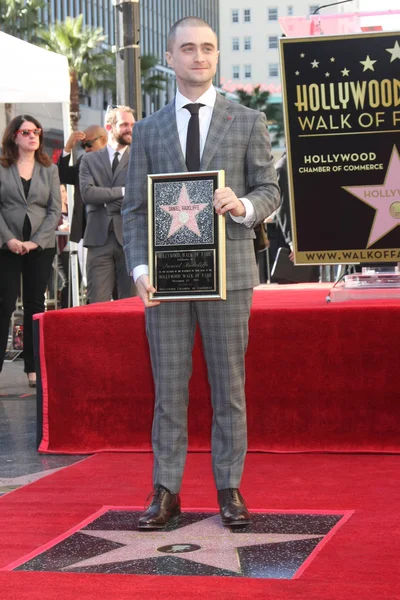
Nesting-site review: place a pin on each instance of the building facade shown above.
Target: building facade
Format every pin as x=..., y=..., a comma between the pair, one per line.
x=249, y=40
x=156, y=18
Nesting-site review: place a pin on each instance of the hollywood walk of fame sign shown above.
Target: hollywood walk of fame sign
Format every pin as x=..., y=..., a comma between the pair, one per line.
x=186, y=237
x=342, y=120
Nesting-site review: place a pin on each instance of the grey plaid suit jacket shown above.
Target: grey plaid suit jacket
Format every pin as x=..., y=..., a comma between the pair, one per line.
x=238, y=142
x=101, y=191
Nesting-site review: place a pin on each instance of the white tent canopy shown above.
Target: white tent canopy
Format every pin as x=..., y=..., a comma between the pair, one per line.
x=31, y=74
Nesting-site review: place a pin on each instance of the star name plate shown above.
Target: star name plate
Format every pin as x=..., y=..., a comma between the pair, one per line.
x=186, y=236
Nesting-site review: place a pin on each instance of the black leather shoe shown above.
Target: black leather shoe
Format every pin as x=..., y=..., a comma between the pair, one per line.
x=163, y=507
x=232, y=508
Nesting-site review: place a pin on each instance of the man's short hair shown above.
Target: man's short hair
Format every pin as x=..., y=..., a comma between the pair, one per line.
x=195, y=21
x=111, y=115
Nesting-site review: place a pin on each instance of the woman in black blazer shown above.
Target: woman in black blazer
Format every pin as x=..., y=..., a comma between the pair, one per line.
x=30, y=209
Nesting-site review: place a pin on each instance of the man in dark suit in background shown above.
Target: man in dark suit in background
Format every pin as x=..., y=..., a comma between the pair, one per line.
x=234, y=138
x=91, y=139
x=102, y=182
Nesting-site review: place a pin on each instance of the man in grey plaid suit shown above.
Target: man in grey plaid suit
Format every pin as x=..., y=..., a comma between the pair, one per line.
x=233, y=138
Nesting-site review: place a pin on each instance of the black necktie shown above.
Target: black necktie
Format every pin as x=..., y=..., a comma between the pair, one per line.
x=115, y=162
x=193, y=138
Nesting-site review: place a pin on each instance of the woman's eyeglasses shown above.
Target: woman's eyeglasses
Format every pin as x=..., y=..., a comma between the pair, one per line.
x=27, y=132
x=90, y=143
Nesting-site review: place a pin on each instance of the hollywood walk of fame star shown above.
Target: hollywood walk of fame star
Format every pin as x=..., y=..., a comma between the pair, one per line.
x=384, y=198
x=345, y=72
x=183, y=213
x=368, y=64
x=395, y=51
x=314, y=64
x=217, y=544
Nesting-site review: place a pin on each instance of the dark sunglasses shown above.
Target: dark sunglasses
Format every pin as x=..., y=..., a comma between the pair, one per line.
x=90, y=143
x=27, y=132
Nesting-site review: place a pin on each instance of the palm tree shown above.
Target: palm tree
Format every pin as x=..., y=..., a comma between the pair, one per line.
x=152, y=81
x=20, y=18
x=91, y=64
x=260, y=100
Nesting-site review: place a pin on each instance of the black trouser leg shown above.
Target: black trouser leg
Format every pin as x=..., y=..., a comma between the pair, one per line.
x=36, y=270
x=10, y=277
x=63, y=260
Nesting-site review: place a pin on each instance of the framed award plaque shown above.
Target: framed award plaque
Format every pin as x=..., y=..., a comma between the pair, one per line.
x=186, y=237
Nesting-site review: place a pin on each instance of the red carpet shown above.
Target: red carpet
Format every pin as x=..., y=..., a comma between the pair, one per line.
x=360, y=562
x=320, y=377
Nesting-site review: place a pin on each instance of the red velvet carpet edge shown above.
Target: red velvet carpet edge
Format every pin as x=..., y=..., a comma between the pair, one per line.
x=360, y=562
x=319, y=377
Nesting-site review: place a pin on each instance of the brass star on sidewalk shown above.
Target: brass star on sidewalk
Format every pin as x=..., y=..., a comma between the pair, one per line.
x=206, y=542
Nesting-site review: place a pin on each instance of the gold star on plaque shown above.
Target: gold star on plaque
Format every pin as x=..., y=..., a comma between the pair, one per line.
x=332, y=59
x=368, y=64
x=314, y=64
x=345, y=72
x=395, y=51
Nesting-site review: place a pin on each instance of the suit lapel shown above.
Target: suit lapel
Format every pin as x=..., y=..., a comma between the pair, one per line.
x=169, y=134
x=221, y=120
x=105, y=159
x=18, y=181
x=122, y=163
x=34, y=181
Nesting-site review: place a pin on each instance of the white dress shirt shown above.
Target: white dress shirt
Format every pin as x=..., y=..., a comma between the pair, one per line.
x=112, y=151
x=182, y=122
x=205, y=114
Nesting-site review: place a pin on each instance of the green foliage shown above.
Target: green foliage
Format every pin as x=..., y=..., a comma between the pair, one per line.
x=89, y=60
x=151, y=80
x=20, y=18
x=91, y=63
x=259, y=100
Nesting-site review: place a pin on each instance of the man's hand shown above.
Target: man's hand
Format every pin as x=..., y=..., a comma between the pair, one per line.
x=74, y=138
x=16, y=246
x=291, y=256
x=143, y=287
x=226, y=200
x=28, y=246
